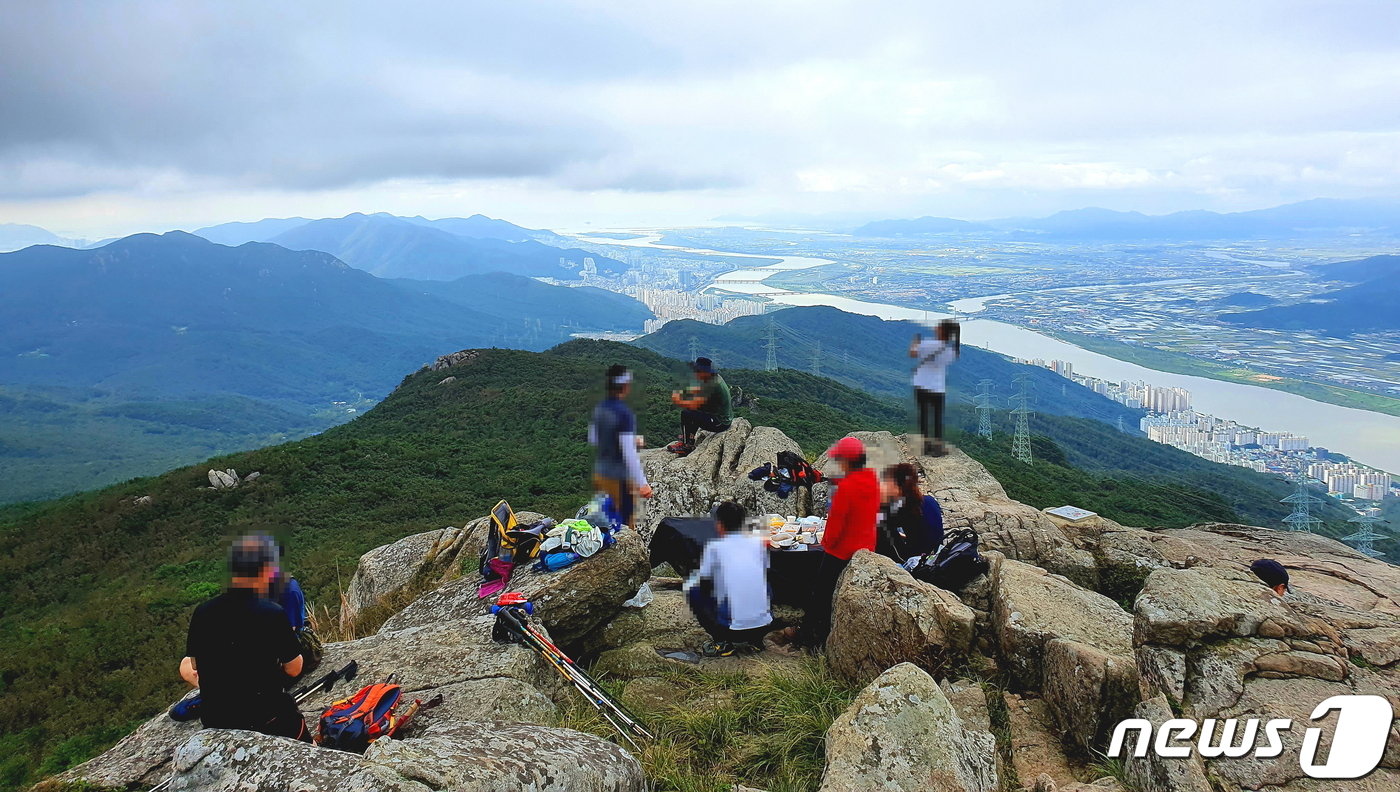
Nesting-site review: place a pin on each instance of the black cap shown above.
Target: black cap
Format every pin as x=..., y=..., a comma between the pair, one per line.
x=1270, y=571
x=250, y=555
x=703, y=365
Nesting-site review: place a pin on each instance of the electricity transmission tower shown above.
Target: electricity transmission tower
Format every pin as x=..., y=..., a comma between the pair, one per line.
x=1365, y=534
x=694, y=347
x=984, y=408
x=1120, y=424
x=817, y=360
x=771, y=364
x=1021, y=441
x=1301, y=518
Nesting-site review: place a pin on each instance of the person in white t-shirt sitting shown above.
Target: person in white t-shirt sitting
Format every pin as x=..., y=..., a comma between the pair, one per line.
x=931, y=380
x=729, y=593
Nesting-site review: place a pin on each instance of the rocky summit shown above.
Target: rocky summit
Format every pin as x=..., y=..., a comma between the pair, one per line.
x=1016, y=682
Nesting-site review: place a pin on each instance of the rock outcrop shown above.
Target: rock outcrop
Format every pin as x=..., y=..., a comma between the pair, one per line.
x=1073, y=644
x=387, y=573
x=455, y=359
x=882, y=617
x=717, y=471
x=572, y=602
x=901, y=733
x=463, y=757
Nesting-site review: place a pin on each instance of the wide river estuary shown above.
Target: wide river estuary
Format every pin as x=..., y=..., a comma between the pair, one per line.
x=1368, y=437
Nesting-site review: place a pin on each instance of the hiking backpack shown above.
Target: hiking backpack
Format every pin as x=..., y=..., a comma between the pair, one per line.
x=956, y=563
x=800, y=472
x=508, y=541
x=352, y=724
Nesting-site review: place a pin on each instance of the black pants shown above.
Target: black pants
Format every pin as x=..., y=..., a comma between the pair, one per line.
x=816, y=617
x=693, y=421
x=275, y=714
x=930, y=402
x=707, y=611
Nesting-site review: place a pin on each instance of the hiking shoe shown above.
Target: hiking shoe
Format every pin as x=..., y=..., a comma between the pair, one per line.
x=185, y=709
x=748, y=648
x=717, y=649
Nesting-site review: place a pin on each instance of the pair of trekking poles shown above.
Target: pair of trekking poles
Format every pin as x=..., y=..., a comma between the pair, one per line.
x=325, y=683
x=513, y=624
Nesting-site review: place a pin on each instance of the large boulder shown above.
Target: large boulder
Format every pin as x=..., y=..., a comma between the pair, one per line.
x=882, y=617
x=1222, y=645
x=571, y=603
x=1072, y=644
x=409, y=566
x=902, y=735
x=717, y=471
x=502, y=757
x=1032, y=607
x=666, y=623
x=480, y=681
x=463, y=757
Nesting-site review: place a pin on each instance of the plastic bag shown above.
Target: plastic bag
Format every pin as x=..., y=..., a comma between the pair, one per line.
x=642, y=598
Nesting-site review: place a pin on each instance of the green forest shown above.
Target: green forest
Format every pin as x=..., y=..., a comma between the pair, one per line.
x=98, y=589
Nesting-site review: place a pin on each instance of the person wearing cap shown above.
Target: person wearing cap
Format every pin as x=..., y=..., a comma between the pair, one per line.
x=617, y=468
x=850, y=526
x=706, y=405
x=1272, y=573
x=241, y=652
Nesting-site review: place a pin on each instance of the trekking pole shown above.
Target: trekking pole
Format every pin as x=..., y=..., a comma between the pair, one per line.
x=583, y=678
x=597, y=689
x=325, y=683
x=612, y=711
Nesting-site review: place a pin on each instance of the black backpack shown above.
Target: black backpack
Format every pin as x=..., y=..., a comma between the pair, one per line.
x=800, y=472
x=956, y=563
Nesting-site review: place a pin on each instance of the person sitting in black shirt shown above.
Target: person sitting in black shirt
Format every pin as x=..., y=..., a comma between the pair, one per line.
x=911, y=523
x=241, y=651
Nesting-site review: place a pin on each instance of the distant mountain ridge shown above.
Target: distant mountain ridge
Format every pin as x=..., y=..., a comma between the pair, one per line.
x=478, y=226
x=1368, y=305
x=392, y=247
x=17, y=236
x=215, y=346
x=1317, y=217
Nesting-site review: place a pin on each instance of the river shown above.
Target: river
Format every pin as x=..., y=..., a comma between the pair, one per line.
x=1368, y=437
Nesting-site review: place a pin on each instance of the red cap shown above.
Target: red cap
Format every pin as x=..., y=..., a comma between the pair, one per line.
x=511, y=598
x=847, y=448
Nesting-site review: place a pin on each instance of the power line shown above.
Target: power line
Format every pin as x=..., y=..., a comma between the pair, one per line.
x=817, y=360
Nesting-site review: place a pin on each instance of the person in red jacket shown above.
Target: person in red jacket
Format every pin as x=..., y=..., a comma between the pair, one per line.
x=850, y=526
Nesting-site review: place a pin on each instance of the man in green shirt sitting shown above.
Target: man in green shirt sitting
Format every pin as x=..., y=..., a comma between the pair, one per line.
x=705, y=405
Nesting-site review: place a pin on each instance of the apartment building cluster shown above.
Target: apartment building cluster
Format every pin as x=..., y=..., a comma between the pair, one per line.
x=1344, y=479
x=670, y=304
x=1137, y=395
x=1223, y=440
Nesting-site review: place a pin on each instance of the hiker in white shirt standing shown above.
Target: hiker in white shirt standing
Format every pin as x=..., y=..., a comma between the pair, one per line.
x=931, y=380
x=729, y=593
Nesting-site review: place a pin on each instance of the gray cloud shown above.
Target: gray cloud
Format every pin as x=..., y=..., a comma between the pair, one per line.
x=921, y=103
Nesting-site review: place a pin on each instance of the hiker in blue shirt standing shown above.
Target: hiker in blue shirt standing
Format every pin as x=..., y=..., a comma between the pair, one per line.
x=617, y=468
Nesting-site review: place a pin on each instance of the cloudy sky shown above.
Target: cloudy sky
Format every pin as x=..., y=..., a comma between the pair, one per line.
x=124, y=116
